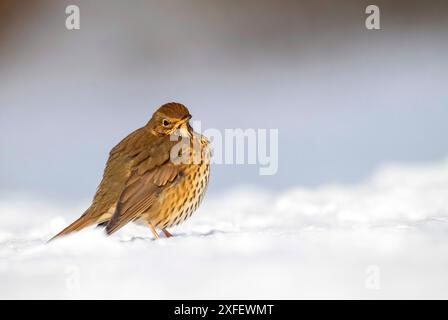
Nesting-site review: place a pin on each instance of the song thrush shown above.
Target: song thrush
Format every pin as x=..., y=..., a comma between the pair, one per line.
x=142, y=183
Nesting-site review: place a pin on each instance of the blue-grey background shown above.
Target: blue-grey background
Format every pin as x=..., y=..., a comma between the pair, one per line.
x=345, y=99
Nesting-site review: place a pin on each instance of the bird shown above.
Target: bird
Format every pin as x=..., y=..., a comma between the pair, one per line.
x=156, y=176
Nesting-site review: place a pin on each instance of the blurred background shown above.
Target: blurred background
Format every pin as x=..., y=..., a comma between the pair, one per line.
x=345, y=99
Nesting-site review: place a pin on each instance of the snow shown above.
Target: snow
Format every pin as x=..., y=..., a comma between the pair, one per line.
x=384, y=238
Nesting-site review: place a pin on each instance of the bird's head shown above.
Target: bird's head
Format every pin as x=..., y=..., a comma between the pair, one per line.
x=169, y=118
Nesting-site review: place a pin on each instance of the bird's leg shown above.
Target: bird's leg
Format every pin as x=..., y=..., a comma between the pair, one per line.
x=154, y=232
x=167, y=234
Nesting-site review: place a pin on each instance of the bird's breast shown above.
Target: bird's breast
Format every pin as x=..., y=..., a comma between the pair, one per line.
x=183, y=197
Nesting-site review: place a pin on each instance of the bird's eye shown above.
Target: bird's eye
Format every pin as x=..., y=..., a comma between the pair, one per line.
x=165, y=123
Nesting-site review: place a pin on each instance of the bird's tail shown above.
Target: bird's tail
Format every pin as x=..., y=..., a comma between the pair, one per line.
x=77, y=225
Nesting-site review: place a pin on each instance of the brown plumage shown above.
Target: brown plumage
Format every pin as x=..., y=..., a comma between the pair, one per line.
x=142, y=182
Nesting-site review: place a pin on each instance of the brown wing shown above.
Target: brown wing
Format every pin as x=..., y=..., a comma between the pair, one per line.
x=140, y=193
x=116, y=173
x=138, y=151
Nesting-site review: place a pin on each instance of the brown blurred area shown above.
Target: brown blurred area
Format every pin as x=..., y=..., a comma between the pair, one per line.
x=257, y=20
x=244, y=28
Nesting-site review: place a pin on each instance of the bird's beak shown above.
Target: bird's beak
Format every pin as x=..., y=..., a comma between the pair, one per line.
x=184, y=120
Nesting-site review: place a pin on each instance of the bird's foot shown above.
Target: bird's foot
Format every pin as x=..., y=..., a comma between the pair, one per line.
x=167, y=234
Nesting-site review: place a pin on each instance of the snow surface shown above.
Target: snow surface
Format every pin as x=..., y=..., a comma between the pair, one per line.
x=384, y=238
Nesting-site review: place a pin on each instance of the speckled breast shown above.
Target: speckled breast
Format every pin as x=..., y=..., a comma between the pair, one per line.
x=178, y=202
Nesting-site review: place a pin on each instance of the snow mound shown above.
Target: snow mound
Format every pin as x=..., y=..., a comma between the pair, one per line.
x=384, y=238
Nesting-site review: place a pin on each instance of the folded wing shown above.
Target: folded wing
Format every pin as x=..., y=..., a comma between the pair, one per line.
x=140, y=193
